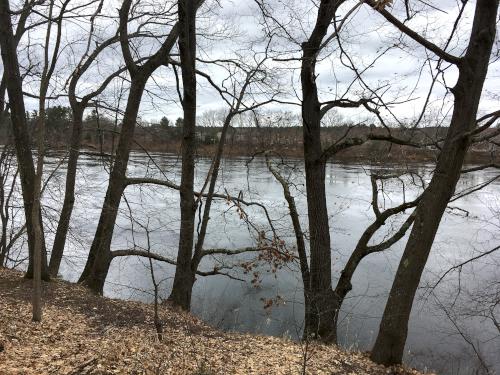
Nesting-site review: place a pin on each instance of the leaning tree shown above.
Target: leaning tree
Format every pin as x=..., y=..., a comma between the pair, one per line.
x=472, y=69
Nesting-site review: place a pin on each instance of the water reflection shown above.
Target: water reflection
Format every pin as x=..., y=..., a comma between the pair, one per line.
x=234, y=305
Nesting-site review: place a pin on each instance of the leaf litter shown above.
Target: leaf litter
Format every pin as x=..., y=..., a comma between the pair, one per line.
x=81, y=333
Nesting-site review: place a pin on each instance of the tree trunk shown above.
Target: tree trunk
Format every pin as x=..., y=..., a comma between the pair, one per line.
x=69, y=193
x=320, y=320
x=4, y=212
x=99, y=259
x=20, y=132
x=3, y=239
x=45, y=267
x=184, y=275
x=35, y=217
x=390, y=343
x=4, y=221
x=301, y=248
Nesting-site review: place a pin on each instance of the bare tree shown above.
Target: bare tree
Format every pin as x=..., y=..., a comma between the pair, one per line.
x=9, y=232
x=99, y=259
x=472, y=68
x=250, y=86
x=363, y=248
x=321, y=319
x=252, y=76
x=48, y=66
x=322, y=313
x=183, y=280
x=78, y=106
x=20, y=132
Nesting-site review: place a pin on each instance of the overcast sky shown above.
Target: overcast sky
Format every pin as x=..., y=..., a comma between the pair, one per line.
x=395, y=67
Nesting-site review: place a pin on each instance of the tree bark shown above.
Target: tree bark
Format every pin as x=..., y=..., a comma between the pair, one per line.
x=69, y=193
x=35, y=217
x=184, y=275
x=390, y=342
x=20, y=132
x=77, y=107
x=5, y=162
x=213, y=175
x=99, y=259
x=320, y=324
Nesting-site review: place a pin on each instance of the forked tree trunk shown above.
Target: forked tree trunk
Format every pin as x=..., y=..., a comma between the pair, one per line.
x=212, y=176
x=184, y=274
x=390, y=343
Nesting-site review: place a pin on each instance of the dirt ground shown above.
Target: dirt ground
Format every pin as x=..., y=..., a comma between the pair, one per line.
x=86, y=334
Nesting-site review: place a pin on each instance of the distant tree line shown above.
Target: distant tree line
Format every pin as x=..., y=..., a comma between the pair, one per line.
x=100, y=131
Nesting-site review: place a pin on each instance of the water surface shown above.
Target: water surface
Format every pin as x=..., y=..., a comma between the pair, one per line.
x=470, y=226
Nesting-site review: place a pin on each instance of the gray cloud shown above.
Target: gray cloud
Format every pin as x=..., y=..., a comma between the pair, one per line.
x=228, y=31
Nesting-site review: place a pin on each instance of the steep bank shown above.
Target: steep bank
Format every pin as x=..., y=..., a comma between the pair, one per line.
x=85, y=334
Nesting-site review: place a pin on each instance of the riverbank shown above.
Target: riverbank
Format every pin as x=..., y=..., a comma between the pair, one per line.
x=284, y=141
x=357, y=155
x=85, y=334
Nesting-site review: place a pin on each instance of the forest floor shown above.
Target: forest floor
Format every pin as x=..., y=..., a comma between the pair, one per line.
x=86, y=334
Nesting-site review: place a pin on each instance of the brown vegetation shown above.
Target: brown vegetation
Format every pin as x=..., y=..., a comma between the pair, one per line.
x=86, y=334
x=288, y=142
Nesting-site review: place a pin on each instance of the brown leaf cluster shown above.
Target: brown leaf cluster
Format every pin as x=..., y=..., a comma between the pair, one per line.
x=382, y=4
x=85, y=334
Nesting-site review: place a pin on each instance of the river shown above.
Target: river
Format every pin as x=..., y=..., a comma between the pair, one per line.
x=434, y=341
